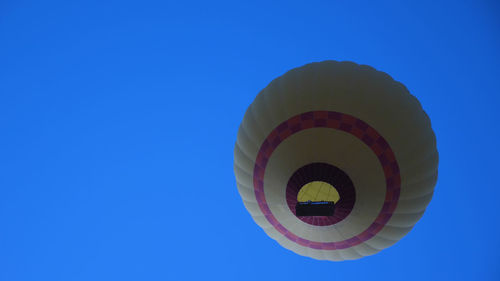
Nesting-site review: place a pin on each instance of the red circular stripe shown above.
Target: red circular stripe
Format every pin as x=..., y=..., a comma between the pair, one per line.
x=353, y=126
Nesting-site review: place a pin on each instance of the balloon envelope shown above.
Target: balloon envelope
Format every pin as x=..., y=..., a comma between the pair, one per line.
x=346, y=133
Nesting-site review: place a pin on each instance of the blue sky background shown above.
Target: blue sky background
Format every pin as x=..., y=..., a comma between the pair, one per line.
x=115, y=113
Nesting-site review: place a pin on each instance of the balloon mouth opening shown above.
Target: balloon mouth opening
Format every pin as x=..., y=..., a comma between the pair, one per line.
x=316, y=198
x=320, y=194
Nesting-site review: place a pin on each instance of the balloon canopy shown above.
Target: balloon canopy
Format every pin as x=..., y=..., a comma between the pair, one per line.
x=340, y=135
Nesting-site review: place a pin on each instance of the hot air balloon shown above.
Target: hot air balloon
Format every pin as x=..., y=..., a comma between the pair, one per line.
x=335, y=160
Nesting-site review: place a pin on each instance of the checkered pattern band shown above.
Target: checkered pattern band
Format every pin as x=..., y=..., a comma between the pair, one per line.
x=353, y=126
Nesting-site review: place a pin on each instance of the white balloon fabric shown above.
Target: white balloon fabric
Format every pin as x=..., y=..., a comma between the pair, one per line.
x=347, y=125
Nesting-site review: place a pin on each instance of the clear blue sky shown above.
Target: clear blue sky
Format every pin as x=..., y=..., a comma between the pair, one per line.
x=113, y=114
